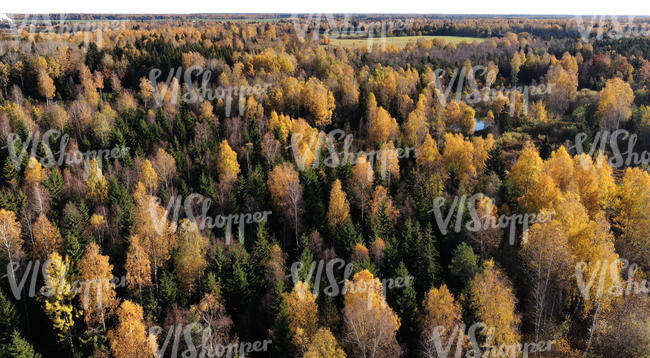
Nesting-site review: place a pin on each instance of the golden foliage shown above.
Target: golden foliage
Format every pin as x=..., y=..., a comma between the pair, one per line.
x=339, y=208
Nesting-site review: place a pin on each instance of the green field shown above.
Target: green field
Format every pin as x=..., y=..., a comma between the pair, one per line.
x=399, y=41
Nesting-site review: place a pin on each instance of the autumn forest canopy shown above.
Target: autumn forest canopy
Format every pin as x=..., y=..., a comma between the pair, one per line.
x=275, y=185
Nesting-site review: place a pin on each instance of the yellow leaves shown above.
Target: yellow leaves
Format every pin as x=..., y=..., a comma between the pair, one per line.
x=10, y=238
x=227, y=165
x=370, y=323
x=383, y=127
x=388, y=162
x=428, y=156
x=33, y=172
x=282, y=124
x=191, y=261
x=47, y=239
x=153, y=228
x=129, y=339
x=96, y=184
x=590, y=240
x=324, y=345
x=339, y=208
x=460, y=116
x=45, y=85
x=560, y=168
x=305, y=142
x=615, y=103
x=98, y=295
x=493, y=298
x=192, y=58
x=442, y=314
x=362, y=179
x=97, y=221
x=303, y=314
x=632, y=208
x=536, y=188
x=146, y=90
x=381, y=200
x=416, y=126
x=148, y=177
x=58, y=294
x=319, y=101
x=165, y=166
x=137, y=266
x=286, y=191
x=482, y=148
x=537, y=112
x=459, y=153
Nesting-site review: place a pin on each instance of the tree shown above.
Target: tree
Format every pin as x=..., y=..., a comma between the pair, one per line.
x=547, y=259
x=632, y=207
x=46, y=238
x=362, y=179
x=370, y=324
x=484, y=218
x=33, y=172
x=148, y=177
x=129, y=339
x=45, y=85
x=388, y=162
x=154, y=230
x=318, y=101
x=212, y=316
x=324, y=345
x=615, y=104
x=428, y=157
x=460, y=116
x=441, y=322
x=339, y=208
x=416, y=127
x=137, y=266
x=383, y=127
x=58, y=297
x=459, y=154
x=537, y=190
x=286, y=192
x=564, y=77
x=493, y=298
x=98, y=295
x=227, y=165
x=96, y=184
x=464, y=263
x=191, y=261
x=20, y=348
x=10, y=234
x=303, y=314
x=165, y=166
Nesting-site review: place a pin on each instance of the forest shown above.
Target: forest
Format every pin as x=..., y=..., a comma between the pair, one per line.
x=243, y=185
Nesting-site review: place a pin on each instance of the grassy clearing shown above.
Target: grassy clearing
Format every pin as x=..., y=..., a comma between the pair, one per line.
x=399, y=41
